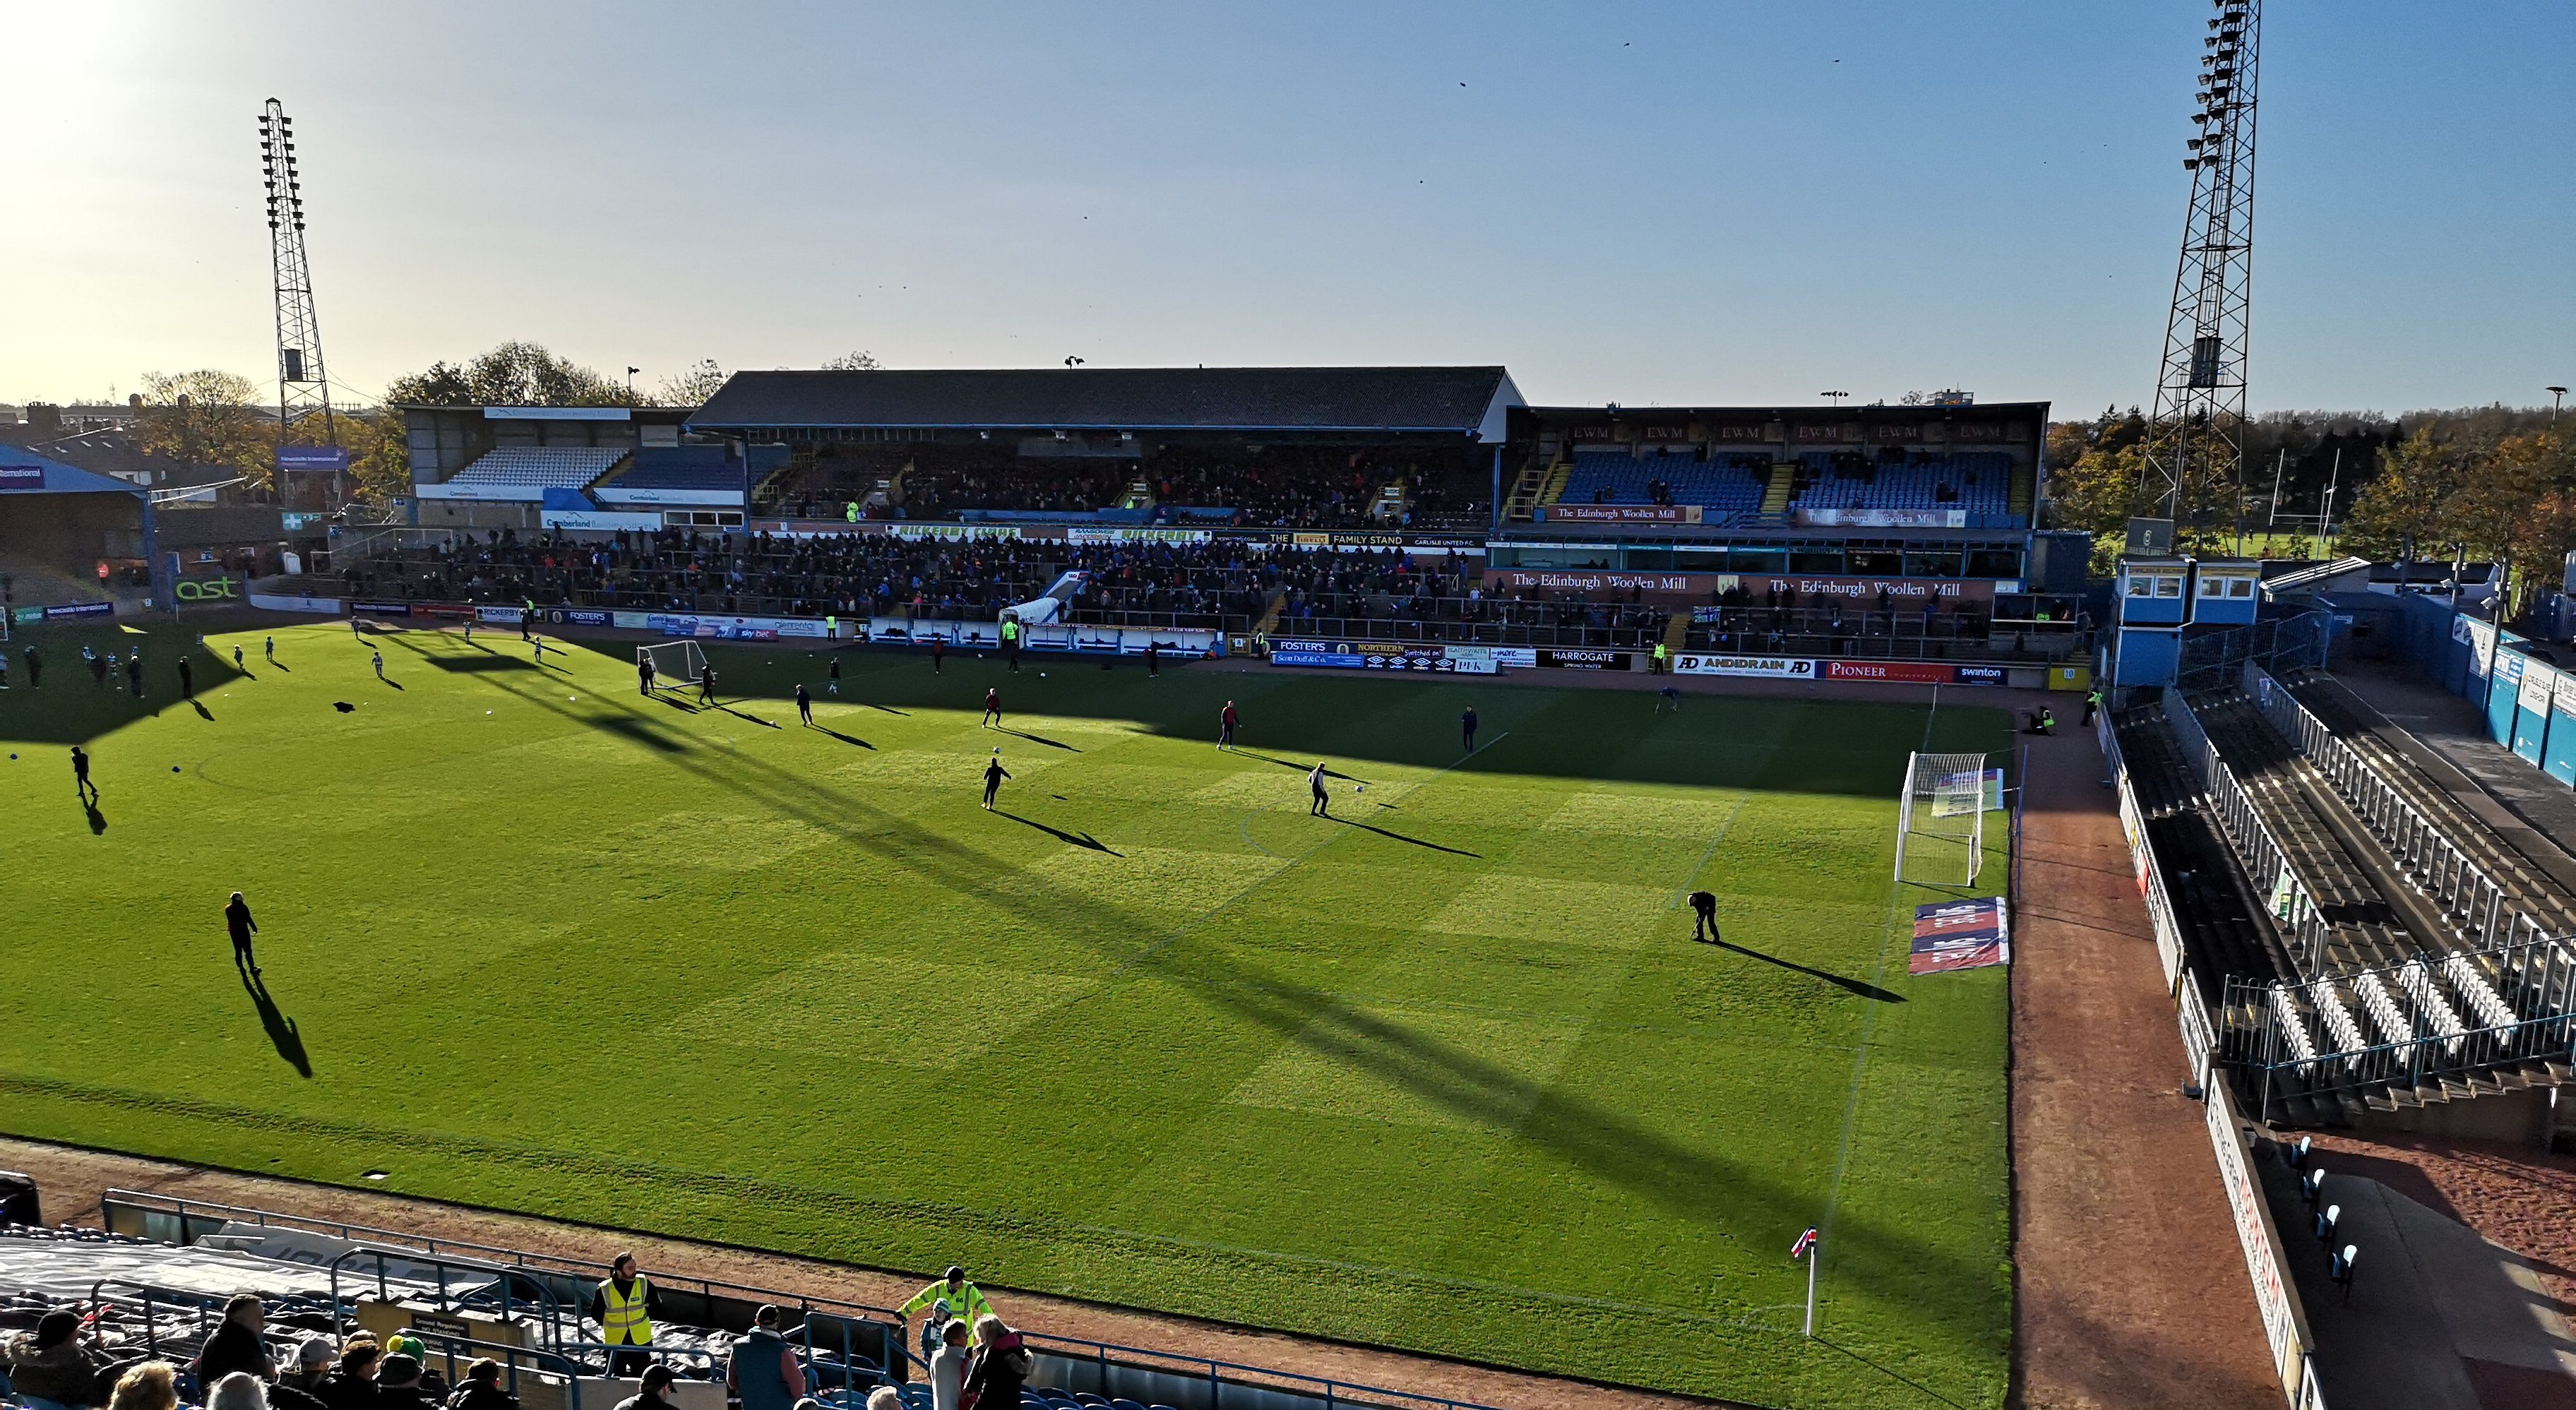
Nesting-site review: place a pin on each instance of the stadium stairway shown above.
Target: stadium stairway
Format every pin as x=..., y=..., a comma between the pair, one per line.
x=2019, y=503
x=1783, y=487
x=1677, y=633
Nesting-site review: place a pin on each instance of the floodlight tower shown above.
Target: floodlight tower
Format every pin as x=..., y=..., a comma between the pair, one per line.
x=2196, y=436
x=302, y=388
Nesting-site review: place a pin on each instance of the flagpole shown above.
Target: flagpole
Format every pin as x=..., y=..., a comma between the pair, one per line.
x=1814, y=1254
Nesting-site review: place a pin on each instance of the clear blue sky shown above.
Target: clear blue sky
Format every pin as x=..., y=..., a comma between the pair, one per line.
x=1710, y=202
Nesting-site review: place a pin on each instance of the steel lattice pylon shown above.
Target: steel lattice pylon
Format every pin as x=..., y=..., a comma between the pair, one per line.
x=302, y=388
x=2195, y=439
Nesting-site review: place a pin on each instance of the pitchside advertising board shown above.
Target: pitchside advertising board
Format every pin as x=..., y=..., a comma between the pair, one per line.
x=1914, y=673
x=1952, y=935
x=1774, y=667
x=1385, y=656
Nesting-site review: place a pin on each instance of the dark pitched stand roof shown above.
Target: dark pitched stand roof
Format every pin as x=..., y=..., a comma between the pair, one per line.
x=1453, y=399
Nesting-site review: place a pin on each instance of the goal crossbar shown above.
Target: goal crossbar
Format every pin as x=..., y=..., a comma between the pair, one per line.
x=1941, y=817
x=674, y=662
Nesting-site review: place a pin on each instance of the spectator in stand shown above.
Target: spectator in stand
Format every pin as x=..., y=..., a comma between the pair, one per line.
x=398, y=1384
x=762, y=1373
x=48, y=1367
x=298, y=1385
x=237, y=1390
x=352, y=1384
x=153, y=1385
x=656, y=1391
x=1000, y=1367
x=948, y=1367
x=237, y=1344
x=482, y=1389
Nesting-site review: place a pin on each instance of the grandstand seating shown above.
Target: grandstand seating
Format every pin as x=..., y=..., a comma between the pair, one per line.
x=1725, y=484
x=145, y=1298
x=527, y=472
x=679, y=468
x=1977, y=482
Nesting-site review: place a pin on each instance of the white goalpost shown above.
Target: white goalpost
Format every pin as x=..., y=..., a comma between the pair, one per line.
x=675, y=663
x=1941, y=818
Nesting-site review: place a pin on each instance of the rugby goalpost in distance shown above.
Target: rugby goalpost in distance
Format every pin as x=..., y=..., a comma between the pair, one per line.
x=1941, y=818
x=674, y=662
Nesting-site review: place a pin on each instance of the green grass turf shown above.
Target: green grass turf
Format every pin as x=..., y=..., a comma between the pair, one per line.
x=1445, y=1073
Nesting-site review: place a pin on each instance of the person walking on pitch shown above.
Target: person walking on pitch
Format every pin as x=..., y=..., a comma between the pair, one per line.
x=237, y=659
x=994, y=773
x=538, y=643
x=1669, y=698
x=1225, y=722
x=134, y=672
x=1703, y=917
x=380, y=665
x=1153, y=658
x=992, y=708
x=832, y=680
x=644, y=675
x=1011, y=643
x=1322, y=807
x=268, y=649
x=187, y=680
x=81, y=785
x=707, y=685
x=237, y=920
x=804, y=704
x=35, y=670
x=1467, y=725
x=938, y=653
x=354, y=629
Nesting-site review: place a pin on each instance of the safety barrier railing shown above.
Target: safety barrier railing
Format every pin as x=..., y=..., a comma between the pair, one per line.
x=2288, y=896
x=829, y=1325
x=2396, y=1027
x=2199, y=1037
x=2471, y=902
x=496, y=1284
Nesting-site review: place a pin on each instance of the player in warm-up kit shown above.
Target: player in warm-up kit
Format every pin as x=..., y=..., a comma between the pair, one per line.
x=804, y=704
x=994, y=773
x=1225, y=722
x=1322, y=806
x=644, y=674
x=706, y=685
x=992, y=708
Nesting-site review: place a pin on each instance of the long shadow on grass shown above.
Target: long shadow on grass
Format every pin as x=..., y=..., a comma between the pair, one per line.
x=1083, y=840
x=1400, y=837
x=1857, y=986
x=282, y=1032
x=1702, y=1188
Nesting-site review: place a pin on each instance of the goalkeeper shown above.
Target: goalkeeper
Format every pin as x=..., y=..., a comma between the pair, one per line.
x=952, y=1296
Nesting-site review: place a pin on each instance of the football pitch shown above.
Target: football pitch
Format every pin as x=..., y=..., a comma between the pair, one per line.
x=1443, y=1072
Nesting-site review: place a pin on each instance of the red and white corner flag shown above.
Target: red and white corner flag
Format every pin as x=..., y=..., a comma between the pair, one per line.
x=1805, y=1242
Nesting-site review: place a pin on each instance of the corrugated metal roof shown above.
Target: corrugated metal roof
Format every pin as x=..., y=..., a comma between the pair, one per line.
x=53, y=476
x=1452, y=399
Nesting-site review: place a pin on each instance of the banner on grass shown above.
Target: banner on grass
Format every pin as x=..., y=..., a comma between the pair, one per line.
x=1952, y=935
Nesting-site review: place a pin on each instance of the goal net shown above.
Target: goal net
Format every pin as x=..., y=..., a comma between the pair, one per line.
x=675, y=663
x=1941, y=818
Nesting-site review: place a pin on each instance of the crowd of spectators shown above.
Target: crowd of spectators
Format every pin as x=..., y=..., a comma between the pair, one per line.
x=1281, y=489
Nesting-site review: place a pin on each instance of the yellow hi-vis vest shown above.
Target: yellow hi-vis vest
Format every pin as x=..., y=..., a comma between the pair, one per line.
x=622, y=1320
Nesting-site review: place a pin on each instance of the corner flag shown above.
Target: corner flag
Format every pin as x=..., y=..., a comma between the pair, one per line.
x=1807, y=1247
